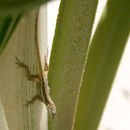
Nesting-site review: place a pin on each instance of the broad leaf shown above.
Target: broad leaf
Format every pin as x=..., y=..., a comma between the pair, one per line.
x=103, y=59
x=73, y=30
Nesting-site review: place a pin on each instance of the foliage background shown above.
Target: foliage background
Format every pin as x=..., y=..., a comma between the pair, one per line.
x=65, y=75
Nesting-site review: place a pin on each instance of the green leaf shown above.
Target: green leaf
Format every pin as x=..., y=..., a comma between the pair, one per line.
x=15, y=88
x=10, y=14
x=7, y=26
x=16, y=6
x=71, y=40
x=103, y=59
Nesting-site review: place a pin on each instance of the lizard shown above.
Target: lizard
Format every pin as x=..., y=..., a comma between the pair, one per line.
x=41, y=78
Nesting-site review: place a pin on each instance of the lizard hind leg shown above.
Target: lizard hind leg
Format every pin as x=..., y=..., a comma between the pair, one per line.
x=34, y=99
x=31, y=77
x=46, y=65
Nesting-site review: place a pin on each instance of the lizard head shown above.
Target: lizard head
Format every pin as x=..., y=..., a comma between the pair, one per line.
x=52, y=108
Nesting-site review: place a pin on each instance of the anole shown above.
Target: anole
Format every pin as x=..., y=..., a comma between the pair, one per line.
x=41, y=78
